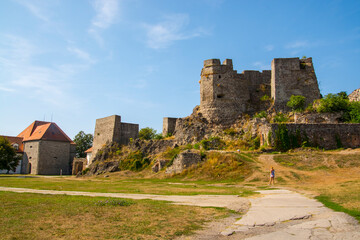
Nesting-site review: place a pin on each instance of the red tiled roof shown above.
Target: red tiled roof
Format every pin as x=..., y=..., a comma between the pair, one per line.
x=18, y=141
x=39, y=130
x=89, y=150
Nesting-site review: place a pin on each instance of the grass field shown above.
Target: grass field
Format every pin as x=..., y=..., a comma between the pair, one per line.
x=37, y=216
x=332, y=177
x=116, y=185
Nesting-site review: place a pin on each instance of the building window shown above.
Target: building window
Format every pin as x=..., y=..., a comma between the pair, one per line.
x=30, y=146
x=16, y=146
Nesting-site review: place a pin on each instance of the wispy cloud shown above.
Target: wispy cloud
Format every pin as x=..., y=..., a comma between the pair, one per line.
x=261, y=66
x=44, y=82
x=81, y=54
x=171, y=29
x=106, y=14
x=269, y=47
x=39, y=8
x=297, y=44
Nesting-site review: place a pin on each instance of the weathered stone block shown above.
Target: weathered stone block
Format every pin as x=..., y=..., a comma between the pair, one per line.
x=184, y=160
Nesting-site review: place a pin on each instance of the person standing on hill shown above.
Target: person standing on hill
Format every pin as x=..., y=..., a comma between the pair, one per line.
x=272, y=176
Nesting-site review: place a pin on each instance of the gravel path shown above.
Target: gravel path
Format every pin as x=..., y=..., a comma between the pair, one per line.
x=276, y=214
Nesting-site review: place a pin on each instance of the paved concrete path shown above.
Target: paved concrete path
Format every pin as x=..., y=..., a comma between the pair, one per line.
x=281, y=215
x=276, y=214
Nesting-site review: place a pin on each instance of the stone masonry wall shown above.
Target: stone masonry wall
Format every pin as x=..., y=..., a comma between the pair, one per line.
x=221, y=95
x=54, y=158
x=106, y=130
x=292, y=76
x=128, y=130
x=168, y=126
x=30, y=158
x=111, y=129
x=327, y=136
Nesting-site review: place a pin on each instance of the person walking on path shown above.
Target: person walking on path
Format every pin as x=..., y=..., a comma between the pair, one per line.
x=272, y=176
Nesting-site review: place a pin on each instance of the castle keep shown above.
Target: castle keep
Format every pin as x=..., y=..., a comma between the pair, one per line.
x=226, y=94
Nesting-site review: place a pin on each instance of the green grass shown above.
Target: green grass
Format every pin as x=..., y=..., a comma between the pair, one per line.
x=145, y=186
x=326, y=200
x=38, y=216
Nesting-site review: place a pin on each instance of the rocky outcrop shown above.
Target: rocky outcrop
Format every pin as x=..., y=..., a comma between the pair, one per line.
x=184, y=160
x=355, y=96
x=152, y=147
x=317, y=117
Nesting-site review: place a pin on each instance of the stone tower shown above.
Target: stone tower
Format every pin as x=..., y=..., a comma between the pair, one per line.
x=223, y=96
x=293, y=76
x=111, y=129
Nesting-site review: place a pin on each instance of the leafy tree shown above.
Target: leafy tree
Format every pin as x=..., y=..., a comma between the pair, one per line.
x=354, y=112
x=296, y=103
x=83, y=142
x=9, y=159
x=147, y=133
x=334, y=103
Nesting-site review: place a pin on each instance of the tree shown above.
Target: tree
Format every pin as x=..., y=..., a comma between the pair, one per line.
x=334, y=103
x=147, y=133
x=296, y=103
x=9, y=159
x=83, y=142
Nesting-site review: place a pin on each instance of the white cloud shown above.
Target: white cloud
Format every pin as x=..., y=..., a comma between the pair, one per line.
x=37, y=7
x=107, y=12
x=261, y=66
x=81, y=54
x=269, y=47
x=297, y=44
x=163, y=34
x=44, y=82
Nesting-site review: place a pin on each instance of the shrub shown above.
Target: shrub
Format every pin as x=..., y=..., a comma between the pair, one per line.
x=212, y=143
x=296, y=103
x=147, y=133
x=280, y=118
x=230, y=131
x=265, y=98
x=261, y=114
x=354, y=112
x=334, y=103
x=135, y=161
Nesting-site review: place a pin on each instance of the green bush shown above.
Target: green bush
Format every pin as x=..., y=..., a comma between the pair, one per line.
x=354, y=112
x=261, y=114
x=212, y=143
x=135, y=161
x=334, y=103
x=230, y=131
x=280, y=118
x=296, y=103
x=147, y=133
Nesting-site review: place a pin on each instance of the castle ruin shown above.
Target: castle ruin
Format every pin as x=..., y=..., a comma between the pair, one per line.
x=111, y=129
x=226, y=94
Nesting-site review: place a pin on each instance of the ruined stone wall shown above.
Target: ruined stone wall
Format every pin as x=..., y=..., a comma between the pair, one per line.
x=106, y=130
x=328, y=136
x=259, y=85
x=223, y=96
x=292, y=76
x=128, y=130
x=111, y=129
x=168, y=126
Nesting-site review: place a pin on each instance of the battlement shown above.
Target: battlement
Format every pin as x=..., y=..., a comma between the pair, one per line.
x=225, y=94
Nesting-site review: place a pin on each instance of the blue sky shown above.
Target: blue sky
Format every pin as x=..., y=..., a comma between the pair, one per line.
x=76, y=61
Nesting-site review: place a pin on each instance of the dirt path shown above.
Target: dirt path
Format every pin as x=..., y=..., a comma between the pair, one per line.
x=276, y=214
